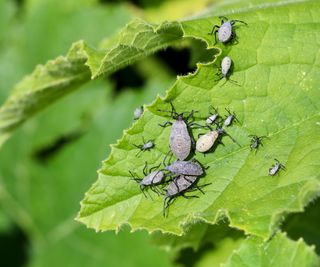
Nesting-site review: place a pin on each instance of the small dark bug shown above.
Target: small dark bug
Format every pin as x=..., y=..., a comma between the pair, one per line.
x=225, y=30
x=256, y=141
x=214, y=115
x=152, y=177
x=185, y=168
x=276, y=168
x=180, y=139
x=145, y=146
x=137, y=113
x=229, y=119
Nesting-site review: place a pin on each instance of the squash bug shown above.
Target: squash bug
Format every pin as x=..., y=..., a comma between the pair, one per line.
x=185, y=168
x=256, y=141
x=152, y=177
x=214, y=115
x=275, y=168
x=206, y=141
x=225, y=70
x=145, y=146
x=180, y=138
x=225, y=30
x=229, y=119
x=178, y=187
x=137, y=113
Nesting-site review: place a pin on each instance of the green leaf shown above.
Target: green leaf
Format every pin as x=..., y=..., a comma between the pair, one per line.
x=280, y=251
x=277, y=68
x=61, y=76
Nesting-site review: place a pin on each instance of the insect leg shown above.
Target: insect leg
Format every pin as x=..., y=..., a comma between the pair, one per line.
x=142, y=188
x=236, y=20
x=214, y=29
x=145, y=168
x=165, y=124
x=188, y=197
x=223, y=18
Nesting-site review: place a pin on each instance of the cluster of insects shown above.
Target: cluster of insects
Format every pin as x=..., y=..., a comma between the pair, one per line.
x=180, y=177
x=177, y=178
x=226, y=34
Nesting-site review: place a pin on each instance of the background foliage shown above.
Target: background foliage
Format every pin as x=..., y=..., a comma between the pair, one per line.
x=51, y=160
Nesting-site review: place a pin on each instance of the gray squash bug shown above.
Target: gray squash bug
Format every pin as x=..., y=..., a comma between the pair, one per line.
x=225, y=70
x=180, y=138
x=145, y=146
x=225, y=30
x=229, y=119
x=152, y=177
x=206, y=141
x=185, y=168
x=256, y=141
x=276, y=168
x=178, y=187
x=137, y=113
x=214, y=115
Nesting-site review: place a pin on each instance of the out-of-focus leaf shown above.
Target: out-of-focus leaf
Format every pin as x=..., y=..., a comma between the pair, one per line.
x=86, y=248
x=5, y=222
x=175, y=9
x=276, y=96
x=280, y=251
x=60, y=76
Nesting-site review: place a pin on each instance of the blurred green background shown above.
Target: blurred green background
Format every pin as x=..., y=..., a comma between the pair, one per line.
x=50, y=162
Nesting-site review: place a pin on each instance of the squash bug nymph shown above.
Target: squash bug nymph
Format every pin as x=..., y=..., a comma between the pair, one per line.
x=256, y=141
x=214, y=115
x=225, y=30
x=206, y=141
x=178, y=187
x=275, y=168
x=145, y=146
x=152, y=177
x=180, y=139
x=230, y=118
x=137, y=113
x=185, y=168
x=225, y=70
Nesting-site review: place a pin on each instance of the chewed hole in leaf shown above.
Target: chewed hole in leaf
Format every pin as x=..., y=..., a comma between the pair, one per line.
x=128, y=77
x=305, y=224
x=182, y=60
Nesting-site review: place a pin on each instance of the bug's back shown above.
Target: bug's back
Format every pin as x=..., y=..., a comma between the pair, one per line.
x=180, y=184
x=225, y=32
x=153, y=178
x=185, y=168
x=180, y=141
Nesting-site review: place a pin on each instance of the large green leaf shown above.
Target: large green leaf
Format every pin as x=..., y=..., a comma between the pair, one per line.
x=277, y=68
